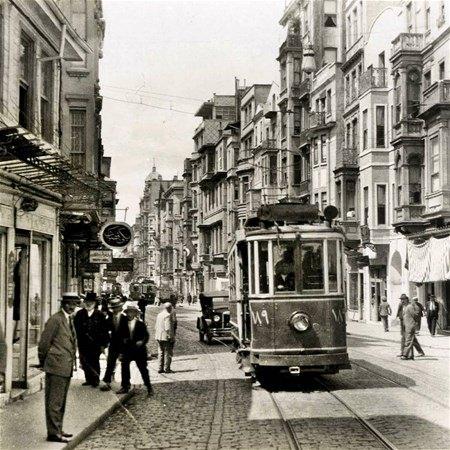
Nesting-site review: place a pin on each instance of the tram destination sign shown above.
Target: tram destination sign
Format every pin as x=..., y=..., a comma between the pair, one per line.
x=100, y=256
x=116, y=234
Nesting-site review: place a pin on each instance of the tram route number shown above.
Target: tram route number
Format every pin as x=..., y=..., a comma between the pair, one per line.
x=259, y=318
x=338, y=315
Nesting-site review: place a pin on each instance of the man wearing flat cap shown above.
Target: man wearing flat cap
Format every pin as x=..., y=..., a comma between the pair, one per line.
x=57, y=356
x=133, y=337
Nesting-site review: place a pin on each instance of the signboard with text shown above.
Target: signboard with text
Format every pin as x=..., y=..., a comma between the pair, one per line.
x=120, y=265
x=100, y=256
x=116, y=234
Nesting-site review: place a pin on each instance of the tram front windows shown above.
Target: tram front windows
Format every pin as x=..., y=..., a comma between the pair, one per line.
x=284, y=267
x=312, y=266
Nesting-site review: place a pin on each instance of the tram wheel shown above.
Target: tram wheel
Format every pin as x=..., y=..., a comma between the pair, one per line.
x=265, y=375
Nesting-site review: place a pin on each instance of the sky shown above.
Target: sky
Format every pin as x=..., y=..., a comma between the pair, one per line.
x=173, y=55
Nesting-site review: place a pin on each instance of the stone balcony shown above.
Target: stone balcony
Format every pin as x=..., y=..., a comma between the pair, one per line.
x=407, y=213
x=304, y=88
x=351, y=229
x=372, y=78
x=407, y=42
x=409, y=128
x=436, y=97
x=347, y=158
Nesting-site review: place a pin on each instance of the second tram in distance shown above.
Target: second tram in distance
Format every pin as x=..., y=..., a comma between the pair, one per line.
x=287, y=306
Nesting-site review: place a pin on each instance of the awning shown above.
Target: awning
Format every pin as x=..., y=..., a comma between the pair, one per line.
x=429, y=261
x=25, y=155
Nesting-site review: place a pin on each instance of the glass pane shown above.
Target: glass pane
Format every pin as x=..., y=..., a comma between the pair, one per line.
x=332, y=266
x=251, y=266
x=263, y=267
x=312, y=265
x=36, y=267
x=284, y=267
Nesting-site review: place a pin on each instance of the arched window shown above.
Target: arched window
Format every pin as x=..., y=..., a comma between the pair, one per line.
x=413, y=93
x=415, y=179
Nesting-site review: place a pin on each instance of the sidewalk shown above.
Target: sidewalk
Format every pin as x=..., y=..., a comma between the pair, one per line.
x=373, y=349
x=22, y=423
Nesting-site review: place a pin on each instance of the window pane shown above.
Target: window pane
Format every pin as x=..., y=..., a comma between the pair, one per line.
x=252, y=264
x=332, y=266
x=284, y=267
x=381, y=204
x=312, y=265
x=263, y=267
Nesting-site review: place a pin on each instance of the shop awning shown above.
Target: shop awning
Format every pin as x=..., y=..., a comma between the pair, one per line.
x=429, y=261
x=25, y=155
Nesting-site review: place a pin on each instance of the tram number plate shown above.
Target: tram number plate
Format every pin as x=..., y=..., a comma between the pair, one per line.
x=260, y=318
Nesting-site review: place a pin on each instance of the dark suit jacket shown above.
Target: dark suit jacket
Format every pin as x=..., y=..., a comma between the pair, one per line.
x=127, y=345
x=92, y=332
x=433, y=313
x=114, y=337
x=57, y=347
x=411, y=315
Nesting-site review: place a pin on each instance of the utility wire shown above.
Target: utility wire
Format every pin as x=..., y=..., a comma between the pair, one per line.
x=161, y=94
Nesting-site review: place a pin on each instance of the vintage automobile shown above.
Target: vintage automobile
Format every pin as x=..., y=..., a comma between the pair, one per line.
x=214, y=320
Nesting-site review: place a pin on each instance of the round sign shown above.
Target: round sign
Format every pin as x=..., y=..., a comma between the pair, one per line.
x=116, y=234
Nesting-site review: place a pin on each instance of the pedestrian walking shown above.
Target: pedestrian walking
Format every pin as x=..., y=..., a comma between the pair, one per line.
x=92, y=337
x=404, y=300
x=113, y=323
x=133, y=337
x=165, y=330
x=385, y=311
x=432, y=313
x=57, y=356
x=421, y=309
x=189, y=299
x=142, y=304
x=410, y=319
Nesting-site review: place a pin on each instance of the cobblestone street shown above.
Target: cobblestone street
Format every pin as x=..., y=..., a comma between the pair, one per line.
x=207, y=403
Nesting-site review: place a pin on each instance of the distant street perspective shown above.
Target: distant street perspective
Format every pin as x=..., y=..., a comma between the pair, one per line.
x=225, y=224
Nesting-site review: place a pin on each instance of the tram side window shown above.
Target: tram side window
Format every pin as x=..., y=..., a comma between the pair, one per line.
x=312, y=266
x=284, y=267
x=332, y=266
x=263, y=267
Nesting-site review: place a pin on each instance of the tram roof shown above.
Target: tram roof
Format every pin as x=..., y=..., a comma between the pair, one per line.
x=286, y=230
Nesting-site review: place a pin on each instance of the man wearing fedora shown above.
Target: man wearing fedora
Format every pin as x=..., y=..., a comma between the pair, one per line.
x=432, y=313
x=133, y=338
x=57, y=356
x=113, y=323
x=401, y=307
x=410, y=319
x=92, y=337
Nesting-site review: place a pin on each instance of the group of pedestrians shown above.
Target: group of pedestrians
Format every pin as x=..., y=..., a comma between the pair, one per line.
x=119, y=330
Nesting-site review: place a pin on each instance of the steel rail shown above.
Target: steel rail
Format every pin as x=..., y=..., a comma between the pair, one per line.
x=382, y=439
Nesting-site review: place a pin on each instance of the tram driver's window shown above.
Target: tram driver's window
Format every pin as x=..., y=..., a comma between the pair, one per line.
x=312, y=266
x=284, y=267
x=263, y=267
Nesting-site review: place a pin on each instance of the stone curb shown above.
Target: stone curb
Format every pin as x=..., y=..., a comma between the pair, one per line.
x=77, y=439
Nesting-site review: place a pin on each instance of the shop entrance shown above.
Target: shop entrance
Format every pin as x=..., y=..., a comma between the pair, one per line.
x=31, y=304
x=377, y=290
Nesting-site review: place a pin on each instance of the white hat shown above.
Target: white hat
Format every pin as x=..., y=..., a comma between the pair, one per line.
x=130, y=306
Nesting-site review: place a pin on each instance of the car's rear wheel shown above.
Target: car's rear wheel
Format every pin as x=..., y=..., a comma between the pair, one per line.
x=201, y=336
x=208, y=339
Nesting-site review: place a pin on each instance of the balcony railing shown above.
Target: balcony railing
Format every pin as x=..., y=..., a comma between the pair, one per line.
x=347, y=157
x=351, y=95
x=372, y=78
x=293, y=41
x=316, y=119
x=268, y=144
x=407, y=42
x=304, y=187
x=408, y=213
x=438, y=92
x=304, y=88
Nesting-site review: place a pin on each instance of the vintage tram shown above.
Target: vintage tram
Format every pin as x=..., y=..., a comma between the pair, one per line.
x=287, y=301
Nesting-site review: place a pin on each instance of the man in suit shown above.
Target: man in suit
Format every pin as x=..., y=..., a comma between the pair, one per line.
x=57, y=356
x=113, y=323
x=432, y=312
x=165, y=329
x=92, y=337
x=385, y=311
x=404, y=300
x=410, y=319
x=133, y=337
x=420, y=309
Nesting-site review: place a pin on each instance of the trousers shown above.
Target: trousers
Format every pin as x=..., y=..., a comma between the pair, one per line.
x=141, y=364
x=111, y=361
x=56, y=389
x=90, y=362
x=385, y=320
x=432, y=321
x=411, y=343
x=165, y=353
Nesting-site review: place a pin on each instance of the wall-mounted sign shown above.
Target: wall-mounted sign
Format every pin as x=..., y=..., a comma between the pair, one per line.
x=116, y=234
x=121, y=265
x=100, y=256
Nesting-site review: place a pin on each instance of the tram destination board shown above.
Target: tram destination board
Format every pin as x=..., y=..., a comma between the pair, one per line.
x=120, y=265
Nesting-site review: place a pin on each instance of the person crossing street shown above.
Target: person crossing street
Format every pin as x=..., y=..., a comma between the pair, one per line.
x=432, y=313
x=165, y=330
x=410, y=318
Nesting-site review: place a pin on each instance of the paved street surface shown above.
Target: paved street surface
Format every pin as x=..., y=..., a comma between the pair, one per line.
x=208, y=403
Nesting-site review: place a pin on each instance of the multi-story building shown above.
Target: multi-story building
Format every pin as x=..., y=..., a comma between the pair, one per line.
x=55, y=193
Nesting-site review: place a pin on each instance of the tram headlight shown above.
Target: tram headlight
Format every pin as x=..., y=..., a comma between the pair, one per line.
x=216, y=318
x=299, y=321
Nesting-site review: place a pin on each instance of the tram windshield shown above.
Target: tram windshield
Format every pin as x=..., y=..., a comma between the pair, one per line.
x=283, y=266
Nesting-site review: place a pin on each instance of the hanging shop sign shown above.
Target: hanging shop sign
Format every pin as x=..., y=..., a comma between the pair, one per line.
x=116, y=234
x=121, y=265
x=100, y=256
